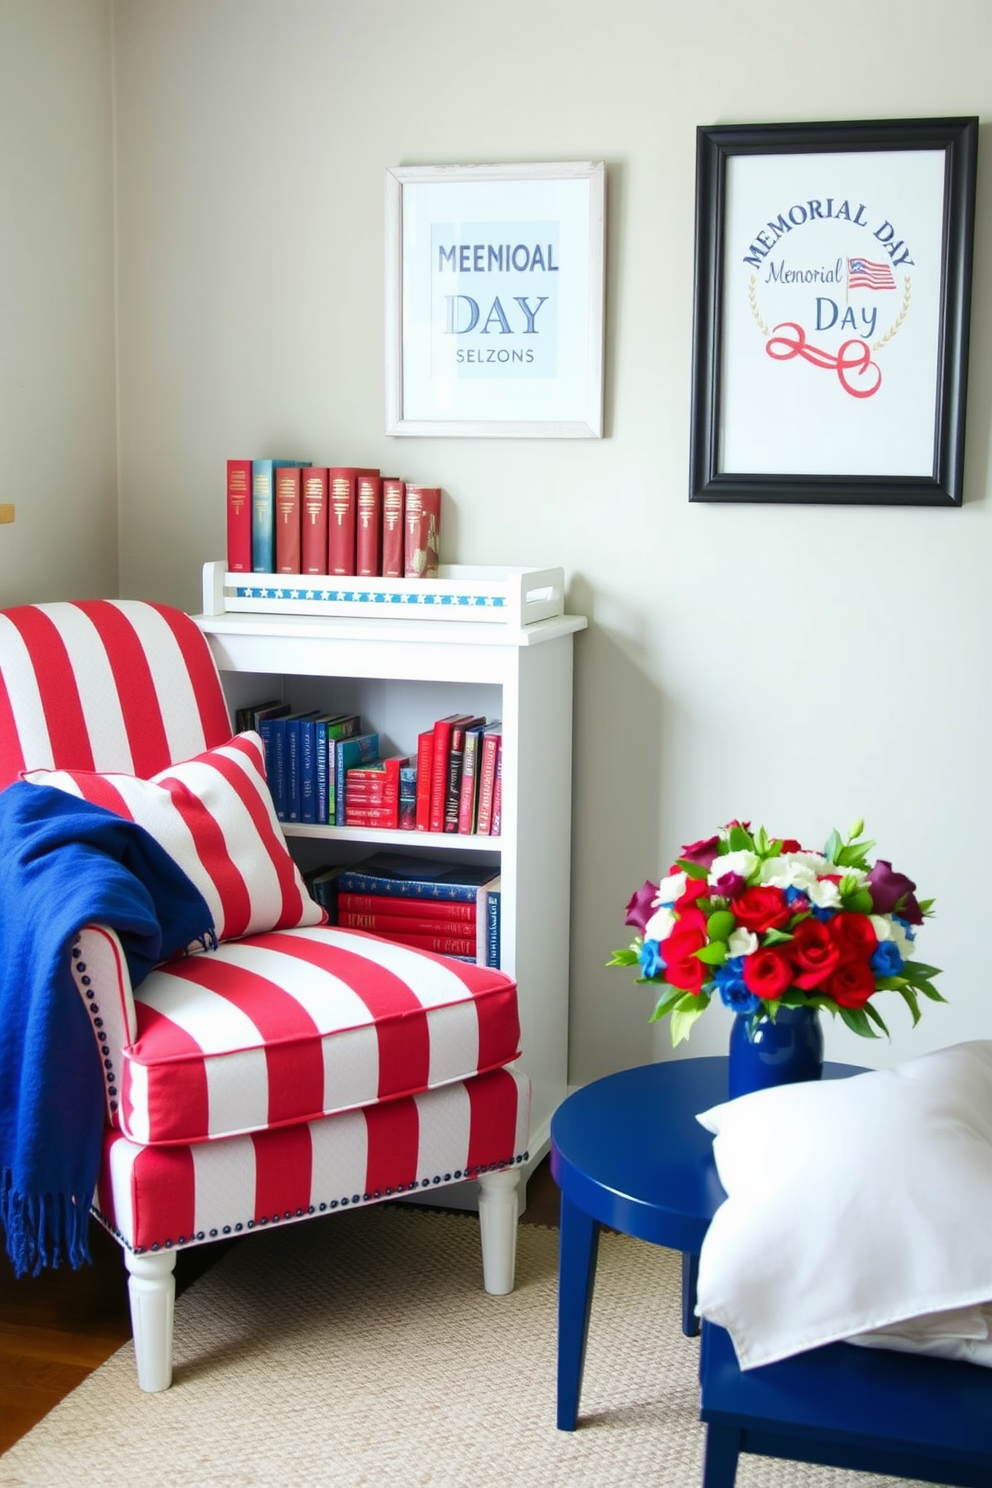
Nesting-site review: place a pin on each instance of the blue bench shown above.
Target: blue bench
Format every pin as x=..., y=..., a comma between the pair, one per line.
x=871, y=1410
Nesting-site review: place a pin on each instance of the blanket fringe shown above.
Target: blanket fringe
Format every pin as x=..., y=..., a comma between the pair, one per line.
x=43, y=1229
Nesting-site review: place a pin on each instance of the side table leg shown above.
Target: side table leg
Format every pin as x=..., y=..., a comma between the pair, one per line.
x=690, y=1275
x=578, y=1247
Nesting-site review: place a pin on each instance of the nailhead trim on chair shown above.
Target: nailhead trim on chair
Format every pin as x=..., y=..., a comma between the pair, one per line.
x=356, y=1201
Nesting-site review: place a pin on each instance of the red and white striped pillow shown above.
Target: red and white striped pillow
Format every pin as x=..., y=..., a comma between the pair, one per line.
x=214, y=815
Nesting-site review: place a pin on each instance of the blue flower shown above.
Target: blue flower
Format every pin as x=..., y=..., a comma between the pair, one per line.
x=651, y=960
x=886, y=961
x=734, y=993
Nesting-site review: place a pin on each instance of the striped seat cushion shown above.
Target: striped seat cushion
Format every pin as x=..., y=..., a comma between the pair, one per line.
x=154, y=1198
x=214, y=816
x=294, y=1025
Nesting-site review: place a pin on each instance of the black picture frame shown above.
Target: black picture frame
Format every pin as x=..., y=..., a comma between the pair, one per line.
x=770, y=257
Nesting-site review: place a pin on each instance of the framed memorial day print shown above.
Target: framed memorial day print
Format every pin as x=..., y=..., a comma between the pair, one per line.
x=494, y=300
x=831, y=311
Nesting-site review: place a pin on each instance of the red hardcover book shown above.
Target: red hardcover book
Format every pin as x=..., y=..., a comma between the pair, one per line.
x=239, y=516
x=342, y=517
x=468, y=794
x=386, y=818
x=491, y=742
x=439, y=767
x=422, y=528
x=444, y=945
x=288, y=487
x=368, y=535
x=497, y=817
x=378, y=781
x=393, y=531
x=313, y=537
x=425, y=764
x=384, y=924
x=446, y=909
x=456, y=756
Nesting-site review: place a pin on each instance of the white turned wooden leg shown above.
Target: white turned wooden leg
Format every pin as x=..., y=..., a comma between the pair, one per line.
x=498, y=1208
x=152, y=1289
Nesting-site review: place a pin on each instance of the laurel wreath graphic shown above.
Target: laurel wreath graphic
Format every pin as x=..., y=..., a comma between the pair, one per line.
x=752, y=295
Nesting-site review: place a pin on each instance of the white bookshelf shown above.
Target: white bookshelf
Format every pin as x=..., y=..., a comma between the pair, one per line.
x=400, y=675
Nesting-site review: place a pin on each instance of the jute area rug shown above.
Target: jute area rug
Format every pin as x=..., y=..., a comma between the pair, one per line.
x=362, y=1350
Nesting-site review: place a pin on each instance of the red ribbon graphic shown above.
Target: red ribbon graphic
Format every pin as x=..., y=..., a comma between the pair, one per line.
x=853, y=357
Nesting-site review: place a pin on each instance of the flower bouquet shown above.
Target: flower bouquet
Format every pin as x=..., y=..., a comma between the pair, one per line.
x=762, y=923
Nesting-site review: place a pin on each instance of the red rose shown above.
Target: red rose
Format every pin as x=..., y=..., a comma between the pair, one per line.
x=690, y=918
x=683, y=967
x=790, y=845
x=851, y=984
x=813, y=952
x=696, y=888
x=761, y=909
x=854, y=936
x=767, y=973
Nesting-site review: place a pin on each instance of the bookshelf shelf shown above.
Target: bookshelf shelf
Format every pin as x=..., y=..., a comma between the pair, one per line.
x=401, y=675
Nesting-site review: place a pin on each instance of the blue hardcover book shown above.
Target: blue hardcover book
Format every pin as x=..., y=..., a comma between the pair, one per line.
x=417, y=878
x=492, y=893
x=329, y=728
x=263, y=512
x=263, y=519
x=293, y=766
x=357, y=750
x=308, y=769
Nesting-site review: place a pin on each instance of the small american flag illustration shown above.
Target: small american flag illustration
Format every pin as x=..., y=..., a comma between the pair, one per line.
x=863, y=274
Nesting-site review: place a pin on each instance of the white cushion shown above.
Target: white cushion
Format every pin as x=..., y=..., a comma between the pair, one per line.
x=855, y=1205
x=214, y=815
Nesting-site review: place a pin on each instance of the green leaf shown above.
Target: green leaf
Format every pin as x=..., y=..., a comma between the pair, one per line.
x=775, y=937
x=833, y=846
x=859, y=902
x=876, y=1018
x=929, y=991
x=692, y=870
x=683, y=1016
x=666, y=1002
x=713, y=954
x=918, y=970
x=857, y=1021
x=627, y=957
x=739, y=839
x=909, y=998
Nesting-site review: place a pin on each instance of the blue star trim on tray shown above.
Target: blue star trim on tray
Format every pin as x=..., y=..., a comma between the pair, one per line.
x=308, y=595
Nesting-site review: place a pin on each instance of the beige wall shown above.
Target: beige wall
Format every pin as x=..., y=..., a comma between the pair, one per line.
x=57, y=410
x=798, y=666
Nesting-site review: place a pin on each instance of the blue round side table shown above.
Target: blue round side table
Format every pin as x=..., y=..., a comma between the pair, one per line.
x=627, y=1152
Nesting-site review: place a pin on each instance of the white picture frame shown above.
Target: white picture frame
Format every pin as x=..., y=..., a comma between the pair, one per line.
x=494, y=300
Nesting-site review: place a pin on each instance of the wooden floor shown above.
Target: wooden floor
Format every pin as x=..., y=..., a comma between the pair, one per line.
x=56, y=1328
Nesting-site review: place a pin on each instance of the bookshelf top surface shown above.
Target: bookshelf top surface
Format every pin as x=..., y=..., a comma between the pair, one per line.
x=438, y=632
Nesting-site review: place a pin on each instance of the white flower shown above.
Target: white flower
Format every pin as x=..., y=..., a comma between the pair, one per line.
x=741, y=942
x=742, y=862
x=799, y=870
x=888, y=929
x=824, y=893
x=659, y=926
x=671, y=888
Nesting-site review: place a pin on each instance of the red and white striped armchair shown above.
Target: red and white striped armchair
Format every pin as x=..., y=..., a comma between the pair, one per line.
x=295, y=1069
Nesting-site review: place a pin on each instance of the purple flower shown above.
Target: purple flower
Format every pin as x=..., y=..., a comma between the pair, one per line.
x=890, y=890
x=704, y=852
x=730, y=885
x=639, y=908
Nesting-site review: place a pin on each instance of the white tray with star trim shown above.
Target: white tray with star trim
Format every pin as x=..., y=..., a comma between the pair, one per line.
x=501, y=596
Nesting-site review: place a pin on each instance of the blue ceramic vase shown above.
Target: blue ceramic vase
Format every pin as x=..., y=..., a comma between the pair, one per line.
x=764, y=1053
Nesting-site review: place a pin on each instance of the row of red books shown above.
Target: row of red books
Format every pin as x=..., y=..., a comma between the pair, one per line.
x=460, y=776
x=292, y=517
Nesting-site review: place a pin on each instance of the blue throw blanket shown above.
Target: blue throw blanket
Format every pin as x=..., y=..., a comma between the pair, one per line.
x=65, y=864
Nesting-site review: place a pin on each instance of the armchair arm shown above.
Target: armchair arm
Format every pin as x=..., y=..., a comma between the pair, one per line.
x=100, y=973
